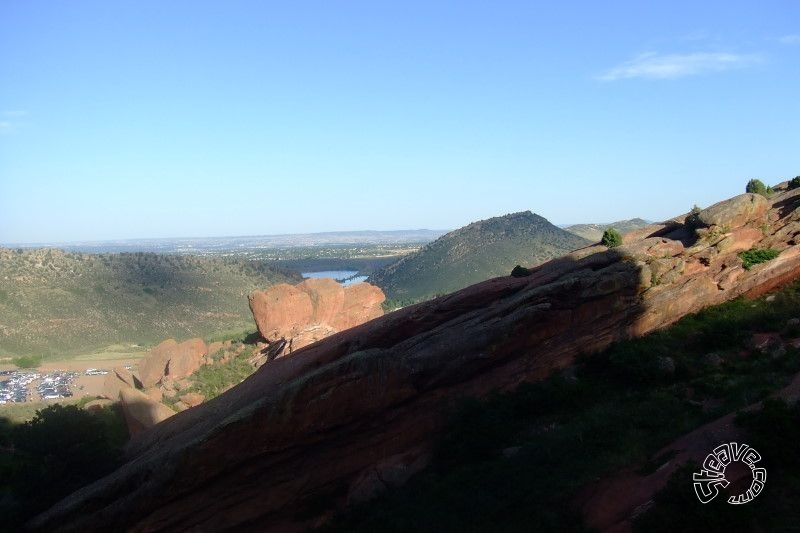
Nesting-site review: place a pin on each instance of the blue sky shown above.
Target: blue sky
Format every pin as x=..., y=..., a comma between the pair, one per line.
x=165, y=119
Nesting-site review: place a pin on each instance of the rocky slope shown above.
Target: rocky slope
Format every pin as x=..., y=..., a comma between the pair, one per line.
x=475, y=253
x=343, y=419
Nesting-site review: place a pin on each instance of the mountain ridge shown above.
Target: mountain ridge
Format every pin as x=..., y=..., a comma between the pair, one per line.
x=476, y=252
x=56, y=302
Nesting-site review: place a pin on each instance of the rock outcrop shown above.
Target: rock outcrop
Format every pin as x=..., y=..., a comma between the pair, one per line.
x=116, y=380
x=312, y=310
x=172, y=359
x=358, y=411
x=141, y=412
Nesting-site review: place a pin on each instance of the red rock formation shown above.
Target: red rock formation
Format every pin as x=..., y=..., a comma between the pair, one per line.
x=116, y=380
x=173, y=360
x=362, y=303
x=358, y=411
x=141, y=412
x=312, y=310
x=279, y=310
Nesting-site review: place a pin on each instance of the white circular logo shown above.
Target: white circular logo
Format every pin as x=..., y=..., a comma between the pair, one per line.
x=708, y=481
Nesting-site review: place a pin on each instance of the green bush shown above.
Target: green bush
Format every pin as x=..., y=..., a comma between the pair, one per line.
x=755, y=256
x=794, y=183
x=756, y=186
x=212, y=380
x=27, y=361
x=693, y=218
x=520, y=272
x=611, y=238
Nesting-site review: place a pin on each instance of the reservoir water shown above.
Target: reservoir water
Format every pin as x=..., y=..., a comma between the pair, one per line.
x=345, y=277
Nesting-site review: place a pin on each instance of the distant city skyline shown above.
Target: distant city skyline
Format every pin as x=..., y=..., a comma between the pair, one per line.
x=134, y=120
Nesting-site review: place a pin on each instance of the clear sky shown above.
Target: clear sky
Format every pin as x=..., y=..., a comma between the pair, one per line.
x=196, y=118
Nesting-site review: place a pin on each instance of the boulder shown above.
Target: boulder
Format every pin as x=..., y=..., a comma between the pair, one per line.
x=192, y=399
x=173, y=360
x=327, y=298
x=155, y=394
x=214, y=348
x=112, y=384
x=313, y=310
x=362, y=303
x=735, y=212
x=186, y=358
x=279, y=309
x=153, y=366
x=141, y=412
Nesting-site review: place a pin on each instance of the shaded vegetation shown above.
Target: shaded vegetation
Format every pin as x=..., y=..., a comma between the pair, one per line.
x=773, y=431
x=60, y=450
x=520, y=271
x=27, y=361
x=58, y=303
x=693, y=218
x=474, y=253
x=517, y=460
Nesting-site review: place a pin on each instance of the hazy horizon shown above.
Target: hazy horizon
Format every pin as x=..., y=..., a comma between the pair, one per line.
x=143, y=120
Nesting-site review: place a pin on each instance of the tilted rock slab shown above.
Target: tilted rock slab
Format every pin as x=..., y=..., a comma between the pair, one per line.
x=141, y=412
x=359, y=411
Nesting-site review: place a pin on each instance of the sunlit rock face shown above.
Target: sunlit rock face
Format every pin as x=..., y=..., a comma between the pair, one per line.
x=312, y=310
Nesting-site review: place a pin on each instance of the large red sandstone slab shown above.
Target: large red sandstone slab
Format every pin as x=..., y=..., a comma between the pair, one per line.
x=361, y=408
x=735, y=212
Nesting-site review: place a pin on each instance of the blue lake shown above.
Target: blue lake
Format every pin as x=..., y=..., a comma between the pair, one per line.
x=345, y=277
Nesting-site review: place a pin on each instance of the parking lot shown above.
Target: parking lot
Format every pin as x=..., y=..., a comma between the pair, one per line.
x=19, y=386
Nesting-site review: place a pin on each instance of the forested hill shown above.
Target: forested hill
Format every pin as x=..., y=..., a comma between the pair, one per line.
x=476, y=252
x=57, y=303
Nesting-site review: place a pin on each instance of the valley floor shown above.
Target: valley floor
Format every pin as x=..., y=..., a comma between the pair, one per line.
x=82, y=386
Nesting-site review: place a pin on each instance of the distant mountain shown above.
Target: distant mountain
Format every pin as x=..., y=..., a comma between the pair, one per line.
x=54, y=302
x=219, y=245
x=594, y=232
x=476, y=252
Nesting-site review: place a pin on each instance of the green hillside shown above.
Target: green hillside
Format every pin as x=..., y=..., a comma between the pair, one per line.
x=594, y=232
x=474, y=253
x=56, y=303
